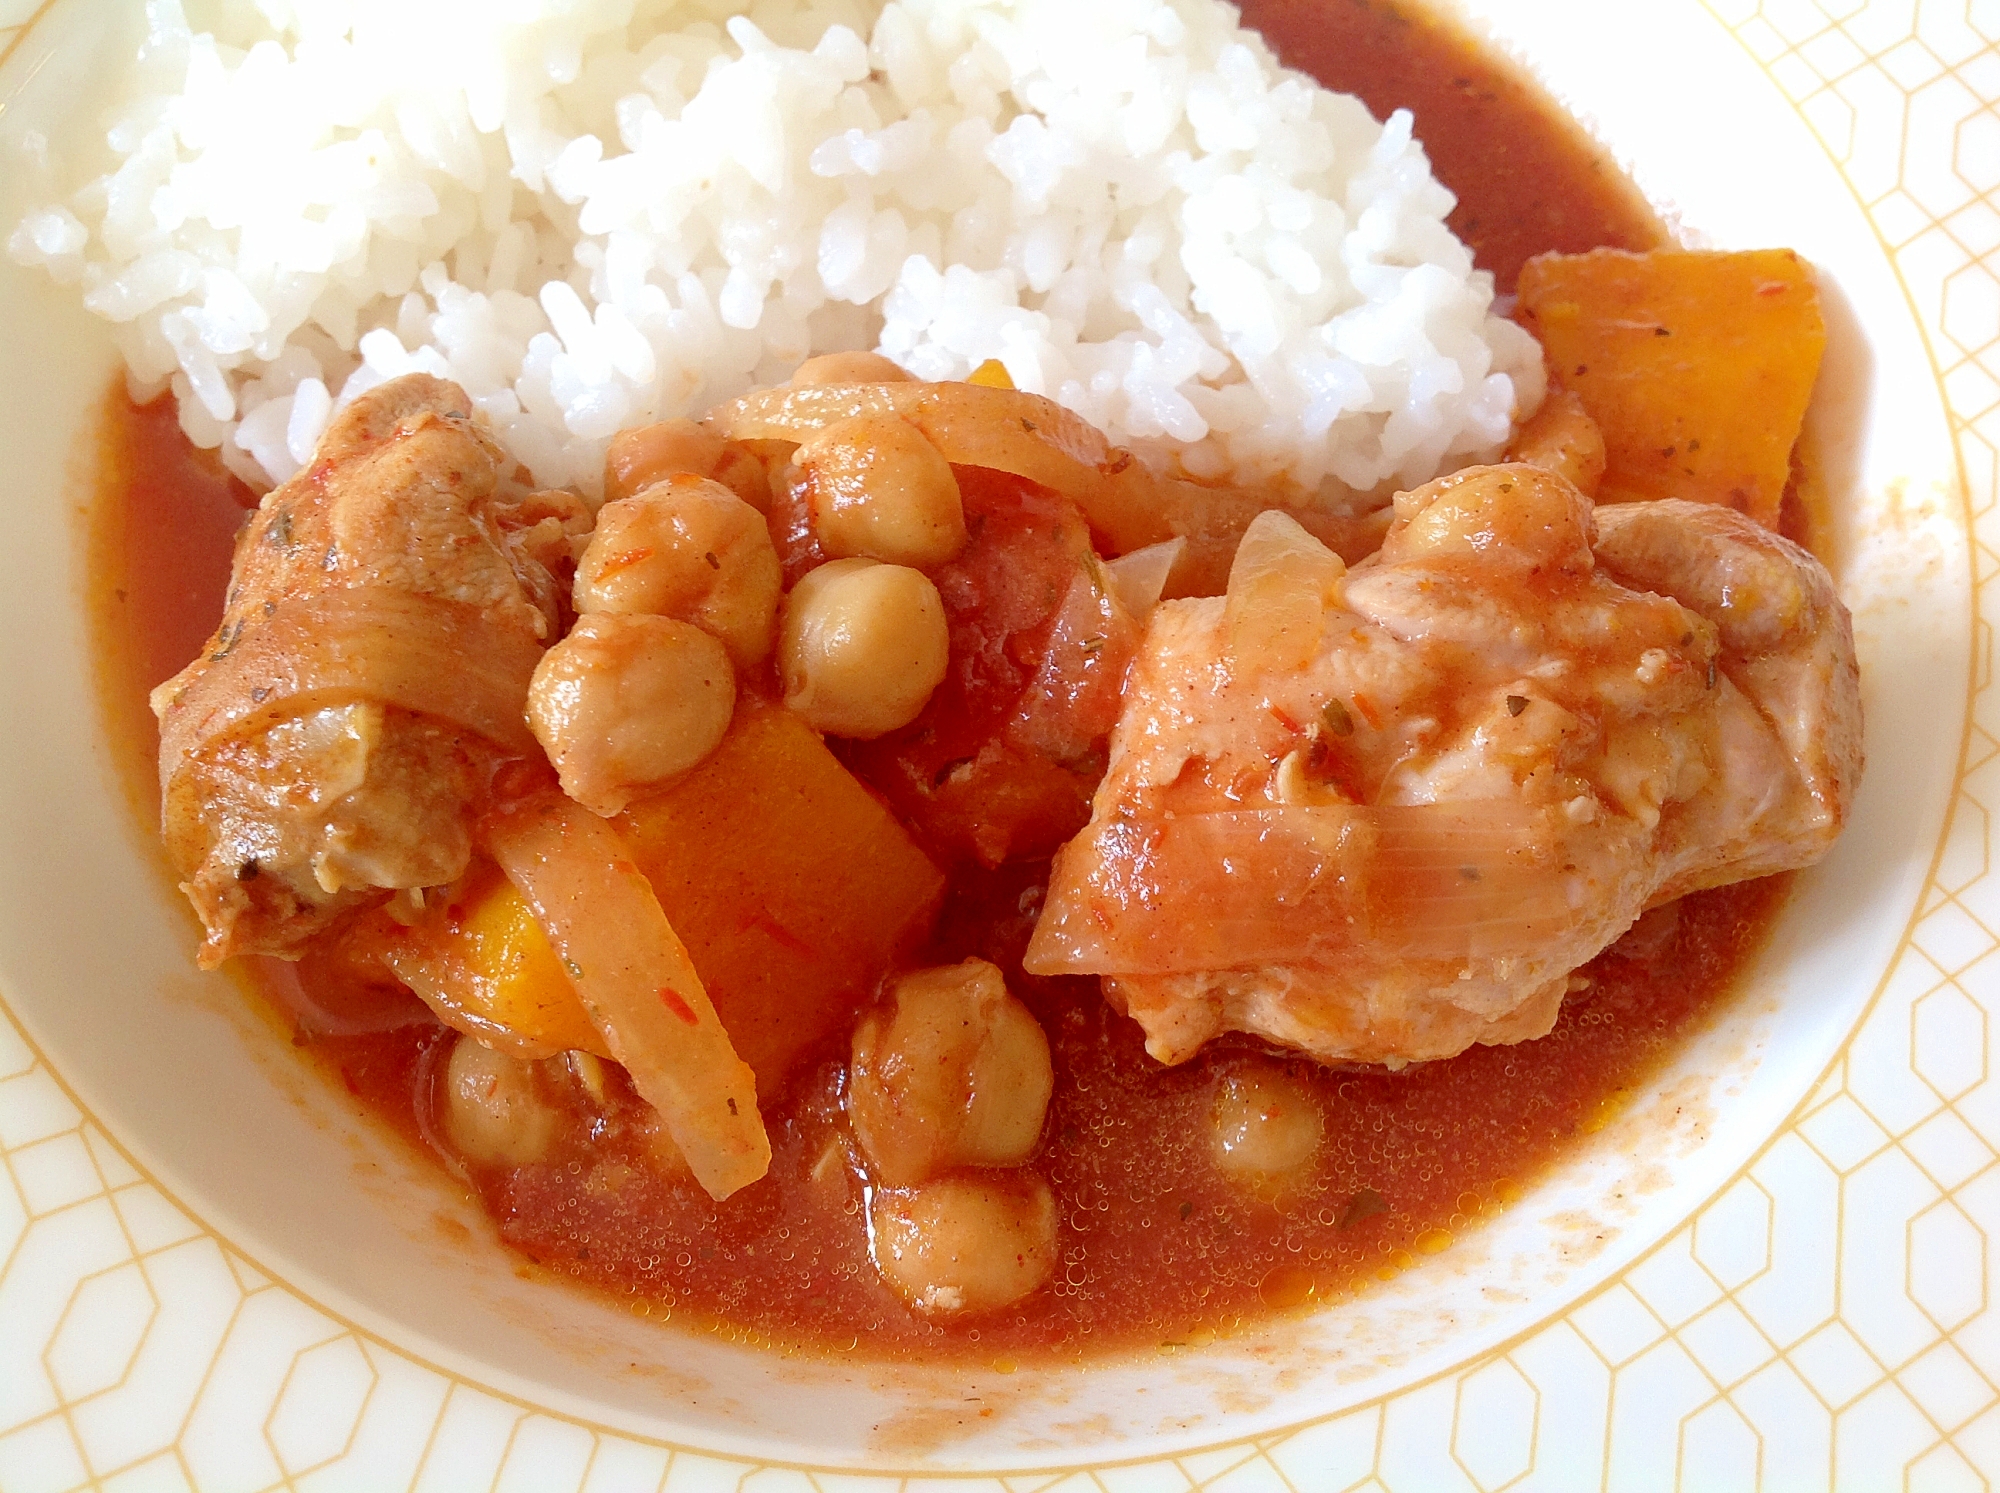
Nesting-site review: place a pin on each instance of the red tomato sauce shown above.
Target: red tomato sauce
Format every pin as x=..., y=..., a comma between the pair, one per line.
x=1156, y=1245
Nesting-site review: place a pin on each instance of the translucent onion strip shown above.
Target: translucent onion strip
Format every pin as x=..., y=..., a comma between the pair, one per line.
x=1141, y=578
x=1281, y=583
x=1305, y=884
x=634, y=978
x=425, y=654
x=1128, y=504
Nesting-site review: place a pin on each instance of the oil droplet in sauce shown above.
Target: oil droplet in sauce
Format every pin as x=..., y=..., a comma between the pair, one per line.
x=1286, y=1287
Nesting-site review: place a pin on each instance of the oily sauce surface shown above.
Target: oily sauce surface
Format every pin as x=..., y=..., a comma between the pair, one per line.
x=1528, y=179
x=162, y=533
x=1157, y=1247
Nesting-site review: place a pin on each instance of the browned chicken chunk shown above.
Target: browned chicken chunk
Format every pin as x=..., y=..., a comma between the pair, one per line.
x=386, y=609
x=1381, y=814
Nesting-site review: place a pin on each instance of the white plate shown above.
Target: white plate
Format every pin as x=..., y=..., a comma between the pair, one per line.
x=214, y=1273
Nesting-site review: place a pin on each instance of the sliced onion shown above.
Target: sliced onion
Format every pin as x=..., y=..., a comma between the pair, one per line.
x=975, y=425
x=1280, y=584
x=634, y=978
x=1488, y=880
x=1140, y=578
x=1072, y=702
x=1128, y=504
x=438, y=985
x=422, y=653
x=1303, y=884
x=964, y=420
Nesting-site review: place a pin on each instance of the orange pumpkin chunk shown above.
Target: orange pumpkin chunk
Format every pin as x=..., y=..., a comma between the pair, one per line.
x=793, y=889
x=792, y=886
x=1696, y=366
x=490, y=954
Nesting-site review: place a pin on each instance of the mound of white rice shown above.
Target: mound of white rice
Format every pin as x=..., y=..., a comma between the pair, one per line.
x=592, y=213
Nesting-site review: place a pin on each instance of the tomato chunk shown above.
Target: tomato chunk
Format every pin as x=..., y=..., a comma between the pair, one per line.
x=1003, y=760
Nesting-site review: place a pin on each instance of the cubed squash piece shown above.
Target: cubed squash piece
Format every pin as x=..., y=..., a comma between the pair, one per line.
x=793, y=888
x=483, y=964
x=1696, y=366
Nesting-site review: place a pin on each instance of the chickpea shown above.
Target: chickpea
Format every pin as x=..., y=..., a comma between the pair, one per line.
x=1266, y=1125
x=646, y=454
x=1561, y=437
x=639, y=457
x=849, y=368
x=690, y=548
x=952, y=1071
x=742, y=471
x=861, y=645
x=965, y=1244
x=625, y=703
x=1519, y=515
x=491, y=1108
x=878, y=487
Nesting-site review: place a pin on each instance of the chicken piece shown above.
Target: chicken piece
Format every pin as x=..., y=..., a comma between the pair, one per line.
x=1791, y=695
x=1388, y=826
x=385, y=611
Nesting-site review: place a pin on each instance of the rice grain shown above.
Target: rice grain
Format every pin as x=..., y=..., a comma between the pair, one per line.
x=601, y=212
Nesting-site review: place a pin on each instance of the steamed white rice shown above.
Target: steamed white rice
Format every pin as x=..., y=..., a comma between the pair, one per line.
x=594, y=213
